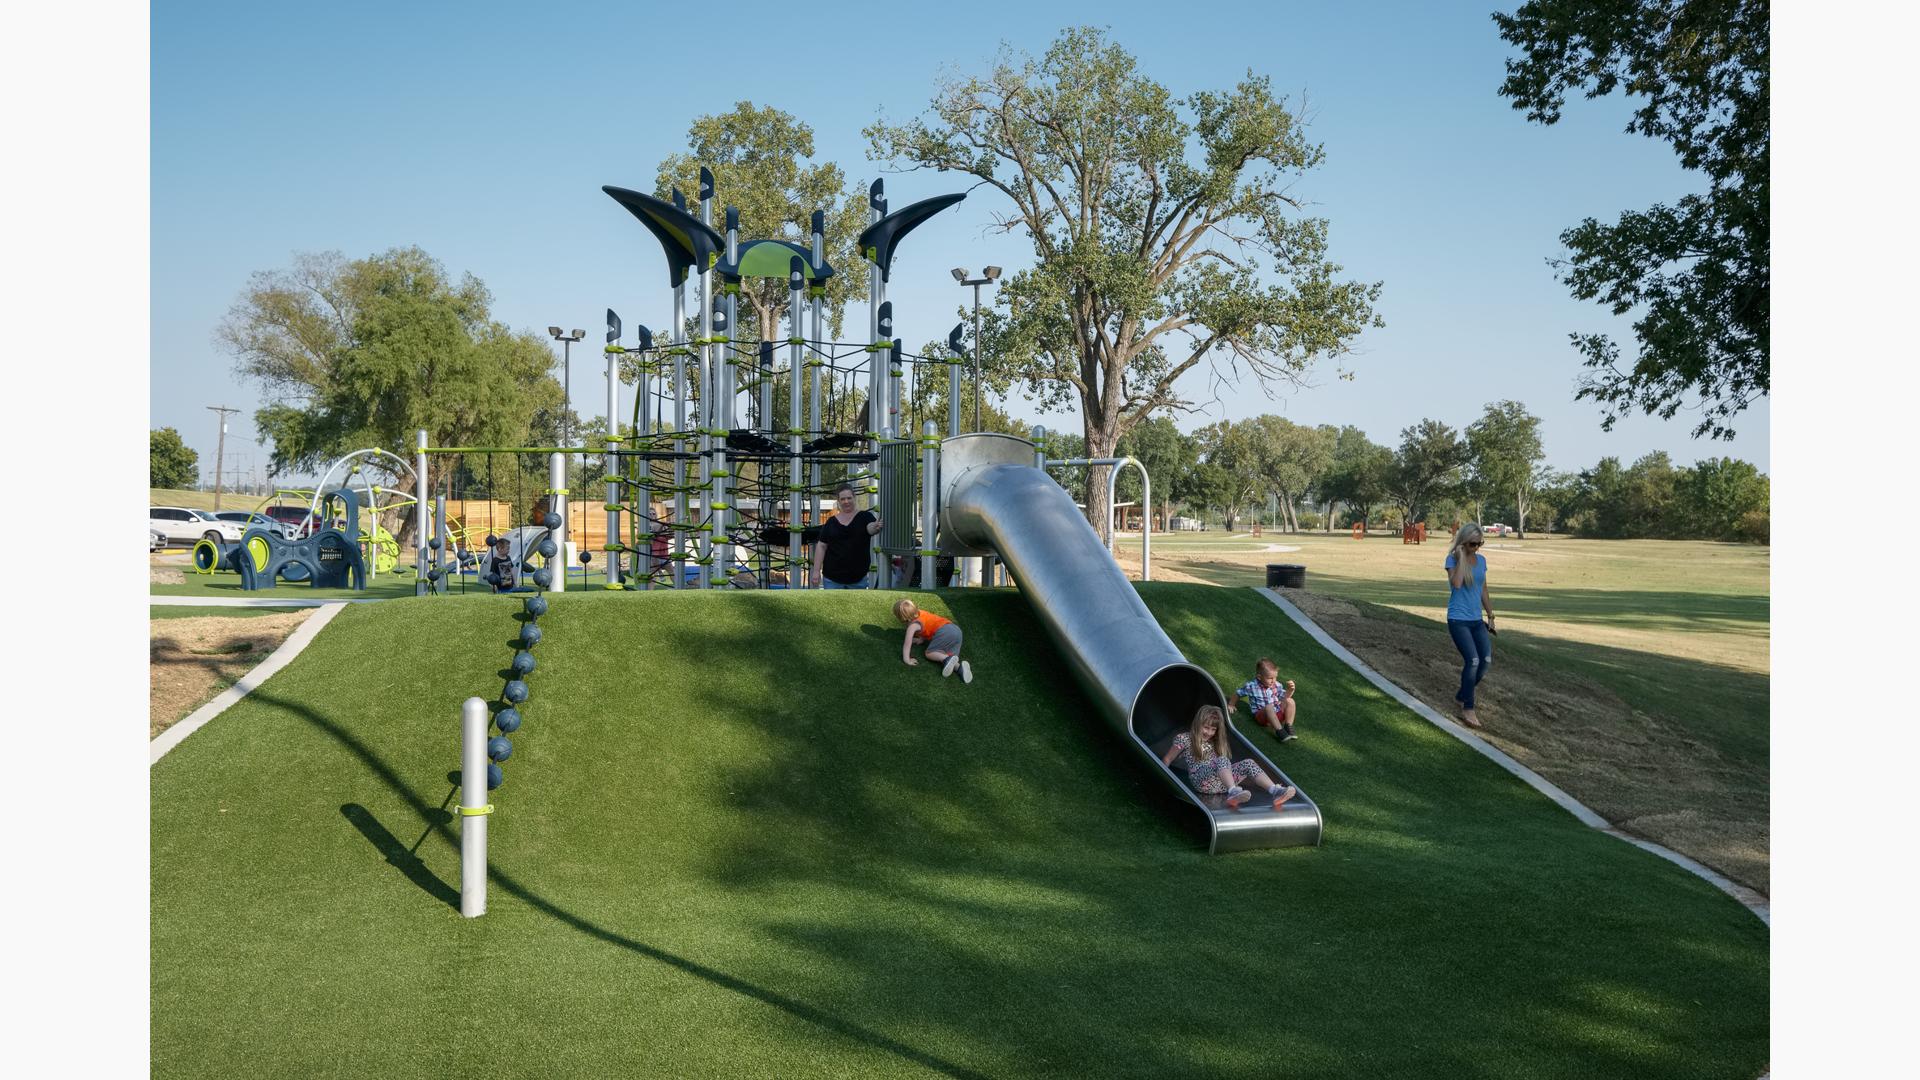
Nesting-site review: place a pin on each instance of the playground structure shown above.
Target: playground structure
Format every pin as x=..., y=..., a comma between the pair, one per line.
x=744, y=485
x=324, y=555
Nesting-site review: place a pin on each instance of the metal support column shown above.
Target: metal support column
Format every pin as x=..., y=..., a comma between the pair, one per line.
x=474, y=807
x=929, y=498
x=557, y=504
x=610, y=468
x=420, y=511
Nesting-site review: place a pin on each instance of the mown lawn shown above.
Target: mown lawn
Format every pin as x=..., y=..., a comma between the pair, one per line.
x=738, y=837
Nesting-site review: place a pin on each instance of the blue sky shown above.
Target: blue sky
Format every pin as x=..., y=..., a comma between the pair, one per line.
x=482, y=133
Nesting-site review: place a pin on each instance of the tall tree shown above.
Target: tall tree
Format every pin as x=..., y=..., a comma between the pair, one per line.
x=1359, y=475
x=1426, y=468
x=360, y=353
x=1168, y=456
x=1233, y=449
x=758, y=157
x=1718, y=492
x=1293, y=458
x=171, y=463
x=1698, y=270
x=1505, y=449
x=1166, y=231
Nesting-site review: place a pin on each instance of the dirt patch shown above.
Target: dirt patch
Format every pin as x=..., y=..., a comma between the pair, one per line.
x=1646, y=776
x=191, y=660
x=167, y=575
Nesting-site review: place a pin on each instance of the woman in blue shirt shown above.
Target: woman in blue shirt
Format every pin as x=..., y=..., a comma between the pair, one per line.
x=1467, y=576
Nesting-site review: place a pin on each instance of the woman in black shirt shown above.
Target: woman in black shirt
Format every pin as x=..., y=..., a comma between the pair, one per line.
x=844, y=552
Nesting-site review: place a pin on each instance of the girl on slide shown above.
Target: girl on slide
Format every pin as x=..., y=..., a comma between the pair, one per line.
x=1467, y=577
x=1204, y=753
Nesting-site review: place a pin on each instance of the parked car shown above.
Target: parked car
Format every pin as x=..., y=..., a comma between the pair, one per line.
x=1497, y=529
x=156, y=540
x=248, y=520
x=183, y=527
x=295, y=520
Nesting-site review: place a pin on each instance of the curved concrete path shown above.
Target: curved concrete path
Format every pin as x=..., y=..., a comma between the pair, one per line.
x=1753, y=901
x=279, y=658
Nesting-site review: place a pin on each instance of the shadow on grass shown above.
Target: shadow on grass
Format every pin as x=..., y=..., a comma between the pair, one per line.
x=437, y=821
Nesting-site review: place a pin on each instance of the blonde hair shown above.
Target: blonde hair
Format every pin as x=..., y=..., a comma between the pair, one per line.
x=905, y=610
x=1202, y=749
x=1458, y=553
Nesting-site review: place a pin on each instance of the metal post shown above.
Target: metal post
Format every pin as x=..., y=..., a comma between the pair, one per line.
x=557, y=504
x=976, y=355
x=678, y=563
x=639, y=473
x=796, y=387
x=474, y=808
x=708, y=406
x=610, y=465
x=819, y=294
x=420, y=510
x=444, y=558
x=880, y=329
x=929, y=499
x=953, y=397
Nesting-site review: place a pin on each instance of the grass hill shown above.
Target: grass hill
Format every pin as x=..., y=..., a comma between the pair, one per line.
x=738, y=837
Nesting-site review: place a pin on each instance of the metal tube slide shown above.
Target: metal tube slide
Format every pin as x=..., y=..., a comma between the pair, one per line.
x=995, y=502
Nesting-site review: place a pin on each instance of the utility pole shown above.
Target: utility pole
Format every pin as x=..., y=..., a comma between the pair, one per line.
x=221, y=451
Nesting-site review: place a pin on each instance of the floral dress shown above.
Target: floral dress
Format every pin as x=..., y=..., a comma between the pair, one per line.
x=1211, y=774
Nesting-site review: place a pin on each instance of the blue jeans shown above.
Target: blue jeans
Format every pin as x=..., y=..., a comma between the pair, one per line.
x=829, y=583
x=1476, y=647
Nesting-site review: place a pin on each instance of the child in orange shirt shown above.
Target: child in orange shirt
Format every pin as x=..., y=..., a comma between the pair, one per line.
x=942, y=637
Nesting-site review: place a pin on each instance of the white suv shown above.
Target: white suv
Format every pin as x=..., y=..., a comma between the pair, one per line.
x=183, y=527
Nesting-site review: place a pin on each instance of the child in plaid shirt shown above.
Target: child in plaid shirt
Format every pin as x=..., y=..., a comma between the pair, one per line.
x=1270, y=702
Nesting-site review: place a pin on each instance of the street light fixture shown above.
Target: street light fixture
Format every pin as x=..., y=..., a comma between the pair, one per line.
x=989, y=276
x=567, y=341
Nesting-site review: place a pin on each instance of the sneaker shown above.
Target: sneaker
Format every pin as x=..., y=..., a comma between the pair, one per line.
x=966, y=672
x=952, y=662
x=1289, y=792
x=1286, y=733
x=1238, y=798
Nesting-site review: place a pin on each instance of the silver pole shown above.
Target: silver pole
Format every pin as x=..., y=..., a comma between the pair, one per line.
x=474, y=808
x=929, y=500
x=611, y=467
x=953, y=396
x=557, y=503
x=819, y=294
x=726, y=398
x=709, y=408
x=679, y=561
x=796, y=388
x=419, y=509
x=639, y=473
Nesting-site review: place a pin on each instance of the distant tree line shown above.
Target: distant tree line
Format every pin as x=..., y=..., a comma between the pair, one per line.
x=1293, y=476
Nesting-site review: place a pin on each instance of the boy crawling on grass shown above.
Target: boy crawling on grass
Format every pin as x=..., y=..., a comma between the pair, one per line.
x=941, y=635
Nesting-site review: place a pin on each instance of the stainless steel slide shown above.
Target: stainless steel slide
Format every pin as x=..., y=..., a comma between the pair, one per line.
x=994, y=501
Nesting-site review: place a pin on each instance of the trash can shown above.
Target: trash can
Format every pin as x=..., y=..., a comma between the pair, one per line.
x=1286, y=576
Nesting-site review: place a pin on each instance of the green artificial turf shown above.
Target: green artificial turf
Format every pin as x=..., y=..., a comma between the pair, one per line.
x=737, y=837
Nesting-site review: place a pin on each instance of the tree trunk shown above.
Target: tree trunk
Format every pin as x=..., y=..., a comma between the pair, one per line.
x=1100, y=444
x=1520, y=511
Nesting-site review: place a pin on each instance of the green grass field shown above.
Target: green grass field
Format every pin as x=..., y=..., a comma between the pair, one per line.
x=1678, y=629
x=738, y=837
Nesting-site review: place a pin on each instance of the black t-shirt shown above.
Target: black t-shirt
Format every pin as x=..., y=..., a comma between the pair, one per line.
x=849, y=548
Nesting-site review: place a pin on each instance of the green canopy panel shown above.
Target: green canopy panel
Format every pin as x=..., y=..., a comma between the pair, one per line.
x=772, y=259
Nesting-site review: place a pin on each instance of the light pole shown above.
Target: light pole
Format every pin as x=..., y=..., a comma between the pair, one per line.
x=566, y=341
x=220, y=451
x=988, y=277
